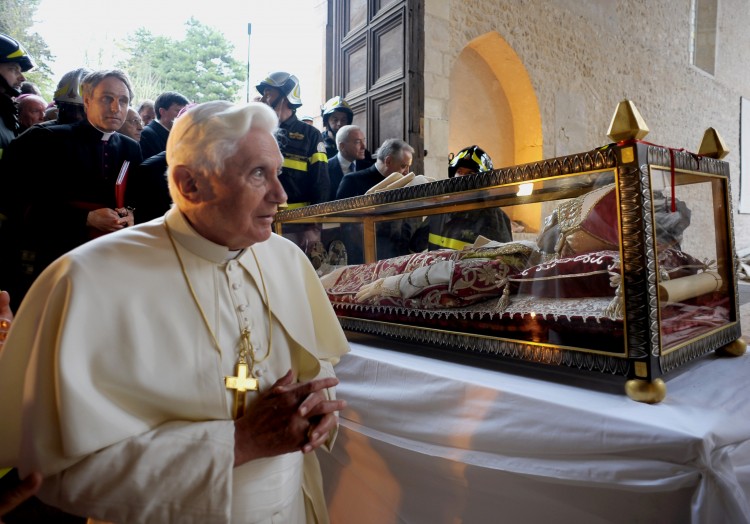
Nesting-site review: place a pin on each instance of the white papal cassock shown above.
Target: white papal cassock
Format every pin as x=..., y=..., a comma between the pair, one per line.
x=113, y=388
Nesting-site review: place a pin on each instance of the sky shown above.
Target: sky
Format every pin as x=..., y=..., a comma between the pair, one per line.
x=286, y=35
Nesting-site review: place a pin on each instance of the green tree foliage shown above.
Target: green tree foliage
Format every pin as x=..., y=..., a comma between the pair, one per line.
x=16, y=19
x=200, y=66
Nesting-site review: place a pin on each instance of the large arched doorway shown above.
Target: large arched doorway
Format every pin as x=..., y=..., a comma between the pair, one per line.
x=493, y=105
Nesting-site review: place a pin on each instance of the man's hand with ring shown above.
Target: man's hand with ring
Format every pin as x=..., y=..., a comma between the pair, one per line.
x=127, y=214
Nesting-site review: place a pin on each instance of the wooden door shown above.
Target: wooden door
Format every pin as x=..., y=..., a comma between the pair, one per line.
x=376, y=62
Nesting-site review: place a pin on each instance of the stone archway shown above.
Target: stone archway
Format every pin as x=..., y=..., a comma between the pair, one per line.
x=493, y=103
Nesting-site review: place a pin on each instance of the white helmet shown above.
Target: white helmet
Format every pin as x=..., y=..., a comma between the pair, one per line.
x=286, y=83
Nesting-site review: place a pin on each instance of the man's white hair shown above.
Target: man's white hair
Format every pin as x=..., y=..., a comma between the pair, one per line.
x=343, y=134
x=207, y=134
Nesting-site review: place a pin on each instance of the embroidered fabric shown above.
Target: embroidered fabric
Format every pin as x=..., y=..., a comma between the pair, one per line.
x=435, y=279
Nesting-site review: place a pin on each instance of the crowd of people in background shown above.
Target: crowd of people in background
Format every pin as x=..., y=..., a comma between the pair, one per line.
x=319, y=166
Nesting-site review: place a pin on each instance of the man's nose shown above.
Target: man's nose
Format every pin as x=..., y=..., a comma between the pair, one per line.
x=276, y=192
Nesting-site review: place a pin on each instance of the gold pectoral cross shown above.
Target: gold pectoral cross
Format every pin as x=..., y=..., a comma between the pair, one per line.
x=240, y=384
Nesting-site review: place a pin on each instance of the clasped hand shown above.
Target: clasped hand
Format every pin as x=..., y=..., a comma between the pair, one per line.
x=290, y=416
x=109, y=220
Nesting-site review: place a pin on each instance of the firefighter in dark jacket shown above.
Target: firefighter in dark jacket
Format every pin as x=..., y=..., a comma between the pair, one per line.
x=336, y=114
x=13, y=63
x=304, y=175
x=461, y=229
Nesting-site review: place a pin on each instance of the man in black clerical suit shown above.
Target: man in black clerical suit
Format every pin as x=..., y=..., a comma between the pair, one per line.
x=394, y=156
x=60, y=181
x=392, y=237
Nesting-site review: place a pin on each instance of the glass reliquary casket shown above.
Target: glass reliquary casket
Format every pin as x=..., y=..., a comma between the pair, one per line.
x=621, y=262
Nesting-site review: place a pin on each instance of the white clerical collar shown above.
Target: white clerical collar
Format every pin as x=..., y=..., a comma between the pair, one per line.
x=105, y=134
x=233, y=254
x=190, y=239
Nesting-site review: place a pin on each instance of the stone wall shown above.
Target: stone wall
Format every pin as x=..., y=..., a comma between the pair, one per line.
x=583, y=57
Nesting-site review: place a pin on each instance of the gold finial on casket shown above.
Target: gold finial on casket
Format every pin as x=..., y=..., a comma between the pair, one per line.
x=713, y=145
x=627, y=123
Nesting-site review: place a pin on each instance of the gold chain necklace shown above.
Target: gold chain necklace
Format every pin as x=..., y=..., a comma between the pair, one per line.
x=244, y=380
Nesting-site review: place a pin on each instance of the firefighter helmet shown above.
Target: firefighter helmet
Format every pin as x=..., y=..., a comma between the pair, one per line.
x=287, y=83
x=337, y=103
x=69, y=87
x=472, y=157
x=11, y=51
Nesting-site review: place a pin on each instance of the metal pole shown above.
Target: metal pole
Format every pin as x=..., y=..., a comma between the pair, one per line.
x=248, y=60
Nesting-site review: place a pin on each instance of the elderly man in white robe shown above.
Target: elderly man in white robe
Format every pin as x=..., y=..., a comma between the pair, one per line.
x=181, y=370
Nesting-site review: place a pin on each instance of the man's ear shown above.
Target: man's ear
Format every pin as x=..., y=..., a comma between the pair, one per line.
x=186, y=183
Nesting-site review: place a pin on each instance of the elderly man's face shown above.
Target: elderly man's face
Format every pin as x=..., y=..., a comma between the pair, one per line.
x=133, y=125
x=31, y=111
x=12, y=73
x=147, y=114
x=353, y=148
x=238, y=206
x=394, y=164
x=107, y=105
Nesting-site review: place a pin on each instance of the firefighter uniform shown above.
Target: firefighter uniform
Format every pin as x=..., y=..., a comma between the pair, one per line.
x=459, y=230
x=305, y=170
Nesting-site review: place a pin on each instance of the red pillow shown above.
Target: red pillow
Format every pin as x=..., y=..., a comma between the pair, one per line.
x=587, y=275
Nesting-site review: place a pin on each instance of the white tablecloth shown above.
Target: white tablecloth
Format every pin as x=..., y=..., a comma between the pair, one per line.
x=427, y=441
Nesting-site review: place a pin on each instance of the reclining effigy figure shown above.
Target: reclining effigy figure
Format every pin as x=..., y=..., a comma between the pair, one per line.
x=576, y=256
x=442, y=278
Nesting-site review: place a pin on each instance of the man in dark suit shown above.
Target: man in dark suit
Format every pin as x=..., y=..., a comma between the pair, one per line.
x=154, y=136
x=148, y=191
x=394, y=156
x=337, y=113
x=351, y=150
x=392, y=237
